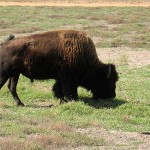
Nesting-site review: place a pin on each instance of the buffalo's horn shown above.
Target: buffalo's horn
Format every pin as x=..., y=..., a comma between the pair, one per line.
x=109, y=71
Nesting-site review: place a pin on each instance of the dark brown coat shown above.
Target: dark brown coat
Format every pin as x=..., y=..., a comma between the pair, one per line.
x=67, y=56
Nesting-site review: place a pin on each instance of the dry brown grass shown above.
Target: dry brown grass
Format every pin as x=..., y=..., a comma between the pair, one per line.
x=56, y=16
x=7, y=143
x=115, y=20
x=118, y=43
x=54, y=126
x=46, y=141
x=7, y=31
x=3, y=24
x=83, y=3
x=33, y=141
x=35, y=136
x=30, y=121
x=60, y=126
x=80, y=1
x=3, y=104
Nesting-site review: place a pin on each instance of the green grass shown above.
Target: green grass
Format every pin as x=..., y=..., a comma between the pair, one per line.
x=113, y=27
x=128, y=110
x=56, y=125
x=38, y=126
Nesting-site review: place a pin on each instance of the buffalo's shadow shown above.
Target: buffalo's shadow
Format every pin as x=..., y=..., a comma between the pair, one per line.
x=99, y=104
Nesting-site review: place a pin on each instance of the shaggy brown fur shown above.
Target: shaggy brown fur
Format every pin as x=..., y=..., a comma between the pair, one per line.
x=67, y=56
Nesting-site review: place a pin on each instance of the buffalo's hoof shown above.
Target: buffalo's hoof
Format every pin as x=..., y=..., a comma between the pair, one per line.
x=62, y=101
x=20, y=105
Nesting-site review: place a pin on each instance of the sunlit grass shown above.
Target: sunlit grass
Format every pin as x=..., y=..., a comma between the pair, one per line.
x=113, y=27
x=38, y=126
x=129, y=109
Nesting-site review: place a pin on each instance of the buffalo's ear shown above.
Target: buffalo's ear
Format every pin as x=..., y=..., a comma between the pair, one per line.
x=108, y=70
x=112, y=73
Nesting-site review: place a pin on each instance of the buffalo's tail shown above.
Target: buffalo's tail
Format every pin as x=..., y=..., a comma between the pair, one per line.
x=10, y=37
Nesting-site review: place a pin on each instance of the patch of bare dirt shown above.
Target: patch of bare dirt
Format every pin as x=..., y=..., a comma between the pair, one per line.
x=117, y=139
x=125, y=56
x=78, y=4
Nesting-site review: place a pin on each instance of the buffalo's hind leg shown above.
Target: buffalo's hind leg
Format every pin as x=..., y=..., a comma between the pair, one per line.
x=12, y=84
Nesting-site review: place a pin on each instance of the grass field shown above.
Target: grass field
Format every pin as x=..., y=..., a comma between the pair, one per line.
x=110, y=26
x=37, y=126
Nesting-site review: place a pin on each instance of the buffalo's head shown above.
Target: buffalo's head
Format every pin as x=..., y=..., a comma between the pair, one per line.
x=104, y=85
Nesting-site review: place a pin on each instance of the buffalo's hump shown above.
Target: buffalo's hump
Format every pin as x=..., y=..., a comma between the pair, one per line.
x=46, y=53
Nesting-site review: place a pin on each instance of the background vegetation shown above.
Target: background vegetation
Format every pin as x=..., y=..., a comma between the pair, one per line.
x=110, y=26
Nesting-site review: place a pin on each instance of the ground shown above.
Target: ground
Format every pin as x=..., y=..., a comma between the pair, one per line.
x=123, y=140
x=83, y=3
x=118, y=139
x=126, y=56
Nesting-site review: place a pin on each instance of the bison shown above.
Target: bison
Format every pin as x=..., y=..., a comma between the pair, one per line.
x=67, y=56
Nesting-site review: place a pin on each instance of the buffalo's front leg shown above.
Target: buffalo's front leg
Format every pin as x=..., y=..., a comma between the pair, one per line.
x=12, y=84
x=70, y=91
